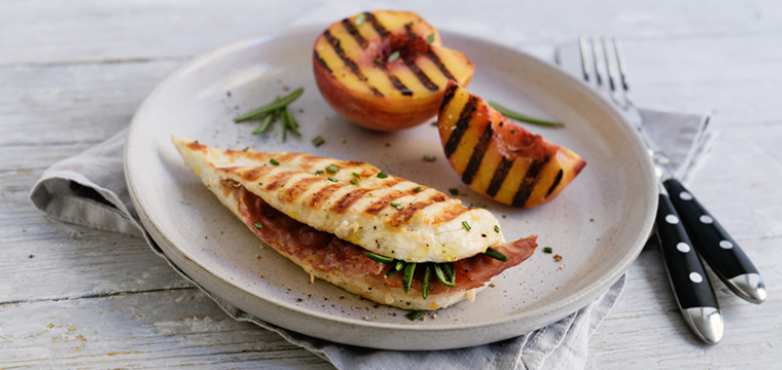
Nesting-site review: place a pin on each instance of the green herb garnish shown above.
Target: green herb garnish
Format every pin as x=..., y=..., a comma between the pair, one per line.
x=379, y=258
x=430, y=39
x=354, y=181
x=408, y=278
x=333, y=179
x=496, y=228
x=397, y=206
x=382, y=175
x=245, y=149
x=377, y=61
x=393, y=57
x=356, y=175
x=490, y=252
x=425, y=285
x=265, y=124
x=258, y=225
x=480, y=205
x=434, y=123
x=360, y=19
x=438, y=272
x=332, y=168
x=274, y=162
x=418, y=189
x=466, y=225
x=390, y=272
x=399, y=266
x=269, y=215
x=413, y=315
x=318, y=141
x=429, y=158
x=453, y=191
x=524, y=118
x=547, y=250
x=271, y=107
x=319, y=172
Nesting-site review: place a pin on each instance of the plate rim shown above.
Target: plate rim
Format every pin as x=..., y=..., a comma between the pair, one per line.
x=560, y=308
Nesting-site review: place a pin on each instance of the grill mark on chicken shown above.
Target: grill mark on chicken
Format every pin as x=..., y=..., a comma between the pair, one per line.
x=323, y=194
x=404, y=216
x=499, y=176
x=379, y=28
x=322, y=62
x=360, y=40
x=477, y=155
x=288, y=157
x=299, y=187
x=530, y=180
x=556, y=182
x=278, y=180
x=255, y=173
x=447, y=214
x=385, y=201
x=461, y=126
x=439, y=63
x=347, y=200
x=198, y=146
x=391, y=182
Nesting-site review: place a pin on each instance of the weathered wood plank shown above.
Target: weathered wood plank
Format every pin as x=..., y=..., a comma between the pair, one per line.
x=145, y=330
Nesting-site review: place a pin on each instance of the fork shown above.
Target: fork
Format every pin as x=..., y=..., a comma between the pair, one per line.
x=600, y=60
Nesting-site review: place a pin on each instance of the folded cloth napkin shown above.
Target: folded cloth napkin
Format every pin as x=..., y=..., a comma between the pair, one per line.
x=90, y=189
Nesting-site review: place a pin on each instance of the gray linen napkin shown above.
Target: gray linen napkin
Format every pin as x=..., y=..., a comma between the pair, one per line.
x=89, y=189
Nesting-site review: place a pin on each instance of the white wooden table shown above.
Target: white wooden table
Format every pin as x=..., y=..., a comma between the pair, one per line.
x=72, y=74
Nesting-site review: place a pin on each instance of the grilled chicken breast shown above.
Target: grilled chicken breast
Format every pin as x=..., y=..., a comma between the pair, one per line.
x=383, y=214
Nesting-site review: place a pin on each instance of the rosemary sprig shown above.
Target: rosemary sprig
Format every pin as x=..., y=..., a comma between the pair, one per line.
x=524, y=118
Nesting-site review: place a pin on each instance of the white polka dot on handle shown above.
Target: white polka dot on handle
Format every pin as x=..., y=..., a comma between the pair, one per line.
x=696, y=277
x=685, y=196
x=683, y=247
x=726, y=244
x=706, y=219
x=672, y=219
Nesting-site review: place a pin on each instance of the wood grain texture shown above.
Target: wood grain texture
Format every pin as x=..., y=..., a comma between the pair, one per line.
x=71, y=76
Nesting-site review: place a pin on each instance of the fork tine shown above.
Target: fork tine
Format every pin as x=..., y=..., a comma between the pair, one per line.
x=610, y=73
x=620, y=59
x=596, y=63
x=582, y=45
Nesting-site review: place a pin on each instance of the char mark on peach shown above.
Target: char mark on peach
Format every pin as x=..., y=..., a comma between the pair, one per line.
x=431, y=86
x=399, y=85
x=322, y=62
x=439, y=63
x=556, y=182
x=530, y=180
x=447, y=96
x=337, y=45
x=362, y=42
x=499, y=176
x=477, y=155
x=461, y=126
x=381, y=30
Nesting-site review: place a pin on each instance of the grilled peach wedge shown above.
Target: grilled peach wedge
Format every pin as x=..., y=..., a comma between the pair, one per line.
x=386, y=70
x=498, y=158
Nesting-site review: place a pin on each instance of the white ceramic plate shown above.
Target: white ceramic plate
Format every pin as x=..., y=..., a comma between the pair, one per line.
x=598, y=224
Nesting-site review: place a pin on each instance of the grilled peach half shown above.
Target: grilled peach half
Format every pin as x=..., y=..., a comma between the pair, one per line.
x=386, y=70
x=498, y=158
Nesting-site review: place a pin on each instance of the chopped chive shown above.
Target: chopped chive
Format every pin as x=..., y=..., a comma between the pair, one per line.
x=332, y=168
x=524, y=118
x=245, y=149
x=496, y=229
x=274, y=162
x=438, y=272
x=393, y=57
x=453, y=191
x=377, y=61
x=333, y=179
x=434, y=123
x=397, y=206
x=480, y=205
x=354, y=182
x=408, y=278
x=418, y=189
x=429, y=158
x=273, y=106
x=318, y=141
x=513, y=132
x=265, y=124
x=430, y=39
x=399, y=266
x=425, y=287
x=356, y=175
x=547, y=250
x=382, y=175
x=379, y=258
x=258, y=225
x=390, y=272
x=319, y=172
x=490, y=252
x=466, y=225
x=269, y=215
x=360, y=19
x=413, y=315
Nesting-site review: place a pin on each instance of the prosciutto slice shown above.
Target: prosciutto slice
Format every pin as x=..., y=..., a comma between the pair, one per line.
x=326, y=252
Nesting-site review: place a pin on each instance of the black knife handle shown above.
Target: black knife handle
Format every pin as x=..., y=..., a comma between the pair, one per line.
x=690, y=283
x=721, y=252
